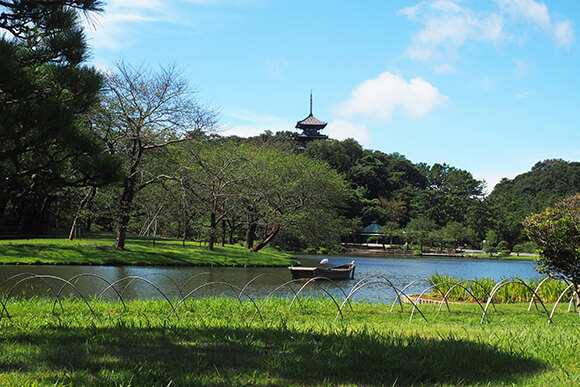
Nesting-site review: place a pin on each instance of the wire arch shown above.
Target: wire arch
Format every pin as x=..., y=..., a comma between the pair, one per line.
x=323, y=289
x=88, y=275
x=44, y=277
x=464, y=288
x=233, y=287
x=508, y=281
x=112, y=285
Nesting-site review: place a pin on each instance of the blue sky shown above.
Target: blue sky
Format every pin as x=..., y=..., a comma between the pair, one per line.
x=490, y=86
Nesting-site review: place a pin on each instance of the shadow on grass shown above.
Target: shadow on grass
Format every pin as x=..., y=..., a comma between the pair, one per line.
x=155, y=356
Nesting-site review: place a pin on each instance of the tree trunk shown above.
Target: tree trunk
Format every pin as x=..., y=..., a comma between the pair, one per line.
x=231, y=236
x=267, y=239
x=124, y=211
x=82, y=205
x=577, y=287
x=211, y=236
x=250, y=235
x=223, y=243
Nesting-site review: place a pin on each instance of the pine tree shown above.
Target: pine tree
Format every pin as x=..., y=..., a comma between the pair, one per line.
x=46, y=143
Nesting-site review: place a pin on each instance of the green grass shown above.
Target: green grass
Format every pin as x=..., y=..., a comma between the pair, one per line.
x=215, y=342
x=99, y=251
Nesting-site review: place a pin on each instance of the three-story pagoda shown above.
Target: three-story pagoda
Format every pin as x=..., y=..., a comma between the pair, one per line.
x=310, y=129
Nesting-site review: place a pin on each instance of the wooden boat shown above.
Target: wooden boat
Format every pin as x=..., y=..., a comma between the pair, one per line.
x=342, y=272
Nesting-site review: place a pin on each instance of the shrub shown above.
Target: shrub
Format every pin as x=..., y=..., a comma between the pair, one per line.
x=503, y=245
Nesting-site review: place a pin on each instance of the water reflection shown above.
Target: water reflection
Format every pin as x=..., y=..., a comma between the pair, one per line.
x=175, y=282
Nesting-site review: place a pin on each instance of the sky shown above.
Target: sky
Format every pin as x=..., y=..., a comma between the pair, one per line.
x=488, y=86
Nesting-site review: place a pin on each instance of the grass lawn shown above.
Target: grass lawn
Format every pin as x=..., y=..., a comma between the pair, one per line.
x=216, y=342
x=98, y=251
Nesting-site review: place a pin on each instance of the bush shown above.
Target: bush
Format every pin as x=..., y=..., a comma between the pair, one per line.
x=310, y=250
x=528, y=247
x=503, y=245
x=417, y=253
x=323, y=251
x=491, y=250
x=505, y=253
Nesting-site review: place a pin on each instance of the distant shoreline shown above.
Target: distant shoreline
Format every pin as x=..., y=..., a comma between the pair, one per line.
x=375, y=252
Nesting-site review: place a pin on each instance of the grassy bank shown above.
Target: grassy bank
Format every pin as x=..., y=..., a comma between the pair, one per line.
x=99, y=251
x=214, y=342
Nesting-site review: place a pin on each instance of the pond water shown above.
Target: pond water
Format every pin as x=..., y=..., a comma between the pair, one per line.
x=176, y=282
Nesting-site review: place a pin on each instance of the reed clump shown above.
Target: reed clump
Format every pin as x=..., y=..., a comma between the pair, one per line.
x=517, y=290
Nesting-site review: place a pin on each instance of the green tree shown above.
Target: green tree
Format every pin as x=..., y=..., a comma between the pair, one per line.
x=342, y=156
x=419, y=230
x=556, y=232
x=46, y=144
x=290, y=197
x=548, y=182
x=449, y=195
x=213, y=175
x=142, y=113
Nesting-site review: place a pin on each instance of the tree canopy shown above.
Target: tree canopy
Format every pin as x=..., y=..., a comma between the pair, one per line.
x=46, y=144
x=556, y=232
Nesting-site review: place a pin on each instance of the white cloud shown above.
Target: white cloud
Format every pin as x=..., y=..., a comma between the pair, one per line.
x=564, y=34
x=524, y=68
x=448, y=24
x=443, y=68
x=539, y=15
x=249, y=123
x=529, y=10
x=379, y=97
x=111, y=29
x=341, y=130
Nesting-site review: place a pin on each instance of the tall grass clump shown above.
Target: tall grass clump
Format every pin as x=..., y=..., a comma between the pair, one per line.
x=480, y=289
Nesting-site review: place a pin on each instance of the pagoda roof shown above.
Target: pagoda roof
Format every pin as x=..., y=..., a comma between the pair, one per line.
x=310, y=122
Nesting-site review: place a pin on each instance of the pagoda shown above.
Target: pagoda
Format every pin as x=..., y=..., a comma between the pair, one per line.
x=310, y=129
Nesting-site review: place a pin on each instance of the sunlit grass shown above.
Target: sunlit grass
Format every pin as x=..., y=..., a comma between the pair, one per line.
x=99, y=251
x=220, y=341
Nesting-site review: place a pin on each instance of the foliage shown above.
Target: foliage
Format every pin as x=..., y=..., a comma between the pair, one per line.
x=548, y=182
x=142, y=113
x=46, y=143
x=556, y=232
x=449, y=194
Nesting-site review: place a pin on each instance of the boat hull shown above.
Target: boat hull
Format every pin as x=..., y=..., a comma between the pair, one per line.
x=343, y=272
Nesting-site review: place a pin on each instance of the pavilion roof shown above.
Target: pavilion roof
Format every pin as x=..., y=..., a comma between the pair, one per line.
x=372, y=229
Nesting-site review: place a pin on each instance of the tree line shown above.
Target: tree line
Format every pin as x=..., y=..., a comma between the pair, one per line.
x=134, y=151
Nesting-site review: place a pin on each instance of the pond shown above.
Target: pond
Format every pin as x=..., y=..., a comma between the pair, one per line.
x=176, y=282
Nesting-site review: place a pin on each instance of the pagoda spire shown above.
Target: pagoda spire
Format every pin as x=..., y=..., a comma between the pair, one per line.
x=310, y=102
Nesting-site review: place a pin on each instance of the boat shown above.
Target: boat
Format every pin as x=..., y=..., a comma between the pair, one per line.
x=341, y=272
